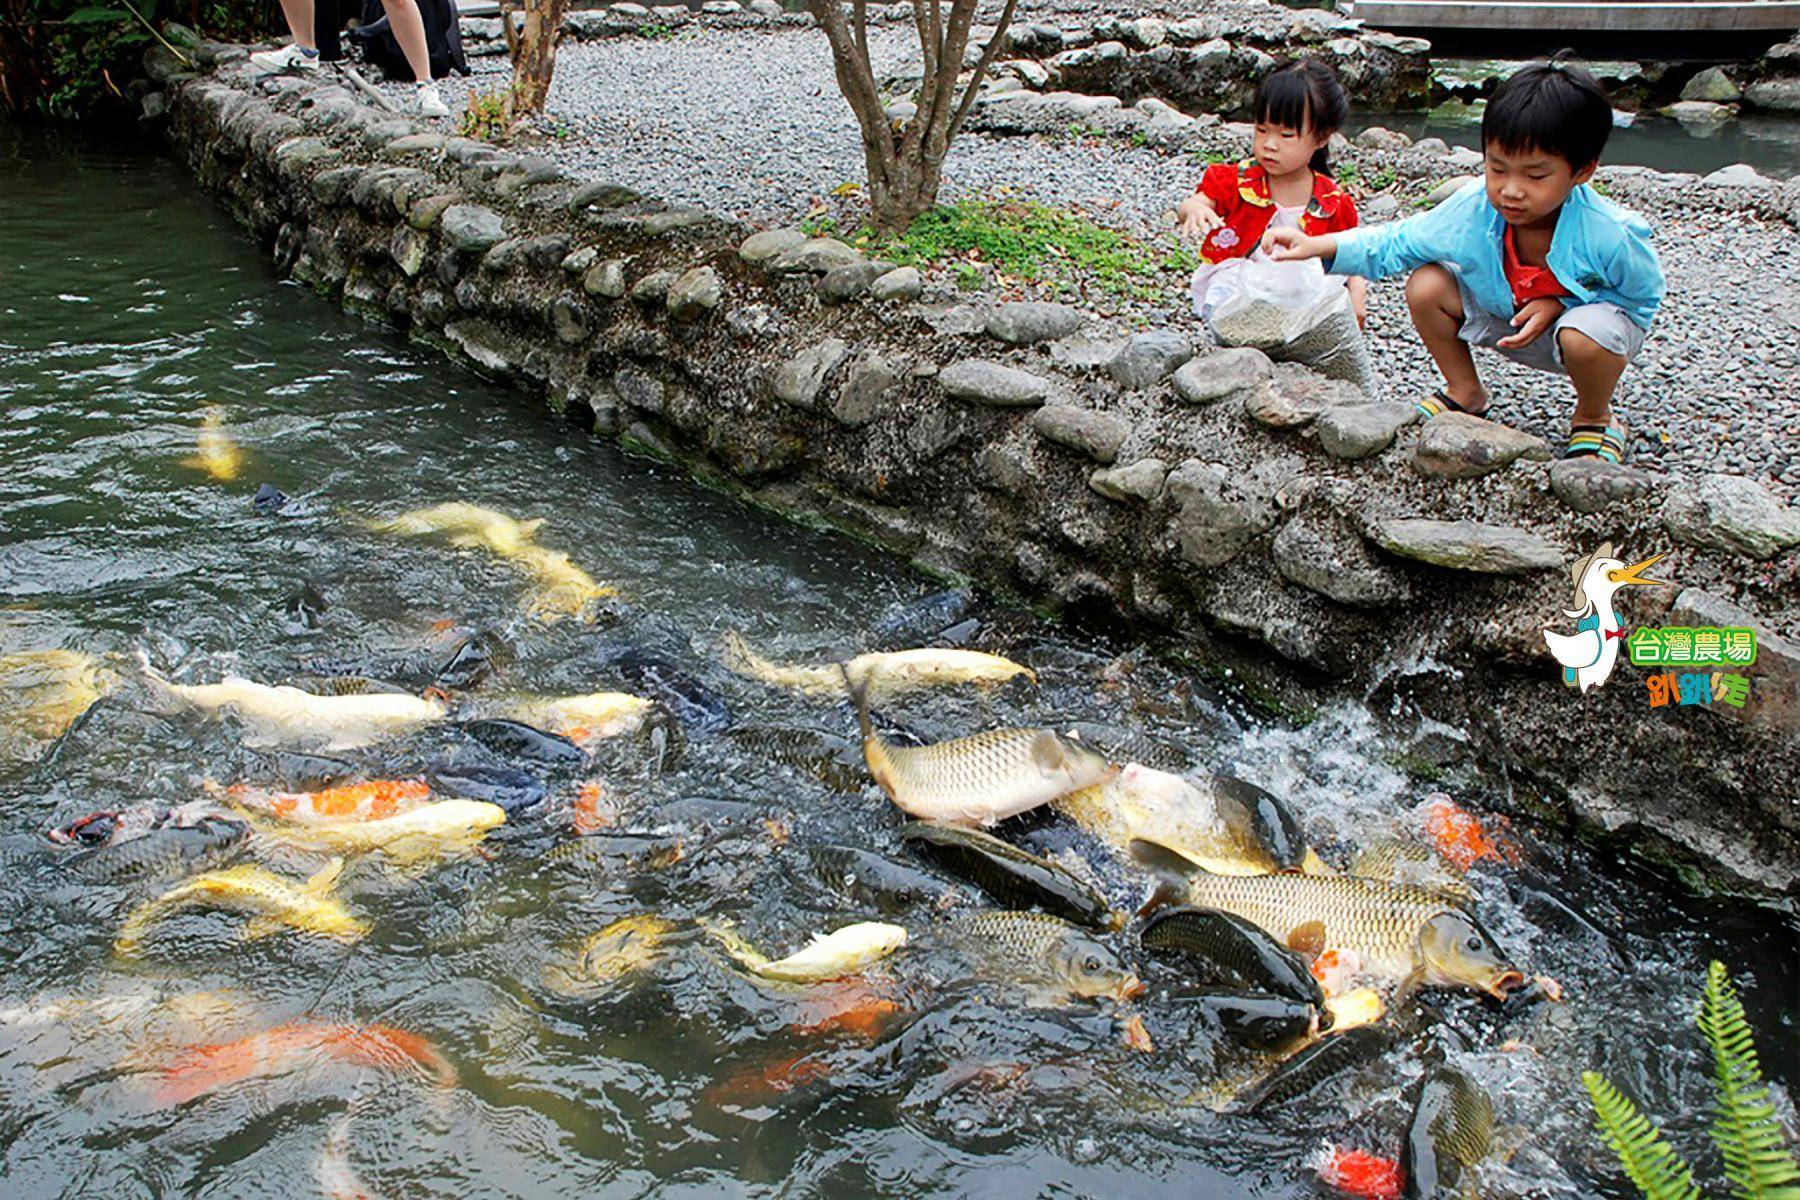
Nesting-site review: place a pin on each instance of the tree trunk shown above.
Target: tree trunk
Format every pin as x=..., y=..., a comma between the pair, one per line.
x=533, y=48
x=906, y=163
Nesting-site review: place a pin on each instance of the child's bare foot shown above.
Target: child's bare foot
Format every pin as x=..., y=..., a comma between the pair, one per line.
x=1441, y=402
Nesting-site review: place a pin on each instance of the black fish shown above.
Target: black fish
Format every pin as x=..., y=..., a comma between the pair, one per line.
x=312, y=772
x=695, y=705
x=1256, y=1020
x=170, y=850
x=1451, y=1129
x=1274, y=824
x=832, y=759
x=918, y=619
x=515, y=739
x=881, y=883
x=1012, y=876
x=1326, y=1058
x=510, y=788
x=468, y=665
x=1234, y=951
x=269, y=500
x=704, y=812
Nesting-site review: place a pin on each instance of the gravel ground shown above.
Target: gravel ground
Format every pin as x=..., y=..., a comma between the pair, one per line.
x=752, y=123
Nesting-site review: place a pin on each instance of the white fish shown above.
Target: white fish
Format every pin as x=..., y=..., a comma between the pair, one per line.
x=828, y=956
x=287, y=714
x=882, y=673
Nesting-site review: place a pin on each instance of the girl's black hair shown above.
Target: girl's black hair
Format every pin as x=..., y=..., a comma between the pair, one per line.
x=1554, y=107
x=1304, y=95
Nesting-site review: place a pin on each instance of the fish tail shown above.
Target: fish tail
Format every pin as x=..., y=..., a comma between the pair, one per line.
x=734, y=944
x=159, y=683
x=859, y=695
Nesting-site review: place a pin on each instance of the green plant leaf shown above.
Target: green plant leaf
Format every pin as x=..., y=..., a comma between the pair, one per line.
x=1757, y=1163
x=1650, y=1162
x=96, y=16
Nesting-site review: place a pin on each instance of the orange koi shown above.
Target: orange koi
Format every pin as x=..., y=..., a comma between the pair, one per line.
x=369, y=801
x=593, y=810
x=1334, y=969
x=852, y=1010
x=202, y=1070
x=1459, y=837
x=1359, y=1173
x=755, y=1087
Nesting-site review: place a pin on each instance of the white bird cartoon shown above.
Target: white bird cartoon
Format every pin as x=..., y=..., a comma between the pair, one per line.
x=1588, y=654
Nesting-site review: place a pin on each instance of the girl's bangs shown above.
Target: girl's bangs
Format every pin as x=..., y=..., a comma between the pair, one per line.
x=1285, y=98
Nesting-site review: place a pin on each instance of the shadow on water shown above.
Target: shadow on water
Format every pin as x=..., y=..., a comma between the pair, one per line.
x=132, y=305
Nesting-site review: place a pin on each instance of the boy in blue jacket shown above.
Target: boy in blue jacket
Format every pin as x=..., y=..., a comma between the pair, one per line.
x=1529, y=261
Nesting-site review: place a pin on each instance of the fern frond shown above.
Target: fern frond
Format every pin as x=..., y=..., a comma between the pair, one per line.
x=1659, y=1172
x=1758, y=1165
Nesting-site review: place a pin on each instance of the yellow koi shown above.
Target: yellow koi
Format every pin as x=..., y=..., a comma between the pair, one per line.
x=274, y=900
x=216, y=453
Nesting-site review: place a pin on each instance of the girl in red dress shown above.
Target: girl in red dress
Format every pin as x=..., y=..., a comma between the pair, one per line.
x=1285, y=184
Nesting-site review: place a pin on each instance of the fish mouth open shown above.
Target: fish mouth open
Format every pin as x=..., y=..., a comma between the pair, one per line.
x=1130, y=989
x=1501, y=986
x=1634, y=573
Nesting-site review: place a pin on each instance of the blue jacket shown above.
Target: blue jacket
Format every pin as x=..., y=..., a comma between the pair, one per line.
x=1599, y=251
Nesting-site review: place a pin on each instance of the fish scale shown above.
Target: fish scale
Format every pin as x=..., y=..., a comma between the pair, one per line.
x=998, y=772
x=1379, y=921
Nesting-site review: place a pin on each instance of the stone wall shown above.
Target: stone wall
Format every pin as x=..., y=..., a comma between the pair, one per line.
x=1232, y=506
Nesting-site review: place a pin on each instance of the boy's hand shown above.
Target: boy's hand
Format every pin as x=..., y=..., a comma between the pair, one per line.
x=1195, y=216
x=1532, y=321
x=1289, y=245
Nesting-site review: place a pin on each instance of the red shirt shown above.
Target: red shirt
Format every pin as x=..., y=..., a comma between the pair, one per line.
x=1527, y=282
x=1239, y=192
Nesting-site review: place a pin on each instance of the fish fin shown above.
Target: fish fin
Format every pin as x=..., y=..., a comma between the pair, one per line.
x=1409, y=987
x=1307, y=939
x=1163, y=860
x=322, y=880
x=1165, y=892
x=261, y=927
x=859, y=695
x=529, y=528
x=1312, y=864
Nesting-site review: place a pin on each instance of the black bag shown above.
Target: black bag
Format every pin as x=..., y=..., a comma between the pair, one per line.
x=443, y=39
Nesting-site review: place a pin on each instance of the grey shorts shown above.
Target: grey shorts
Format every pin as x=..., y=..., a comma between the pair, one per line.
x=1606, y=323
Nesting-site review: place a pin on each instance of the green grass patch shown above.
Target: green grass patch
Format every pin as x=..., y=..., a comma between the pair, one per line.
x=1035, y=242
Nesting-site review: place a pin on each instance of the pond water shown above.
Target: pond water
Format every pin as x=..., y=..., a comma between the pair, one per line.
x=1771, y=144
x=133, y=304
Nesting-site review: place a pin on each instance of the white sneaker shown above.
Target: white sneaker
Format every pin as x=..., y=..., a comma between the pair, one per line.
x=430, y=103
x=288, y=58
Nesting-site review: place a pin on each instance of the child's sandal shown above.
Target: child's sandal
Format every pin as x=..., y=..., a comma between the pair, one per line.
x=1597, y=441
x=1439, y=403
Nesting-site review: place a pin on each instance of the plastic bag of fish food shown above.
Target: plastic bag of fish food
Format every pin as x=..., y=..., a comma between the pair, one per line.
x=1294, y=312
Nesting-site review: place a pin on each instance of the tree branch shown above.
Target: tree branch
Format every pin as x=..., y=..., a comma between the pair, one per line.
x=981, y=69
x=856, y=79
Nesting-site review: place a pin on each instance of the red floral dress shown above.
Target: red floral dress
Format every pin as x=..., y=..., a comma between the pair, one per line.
x=1239, y=192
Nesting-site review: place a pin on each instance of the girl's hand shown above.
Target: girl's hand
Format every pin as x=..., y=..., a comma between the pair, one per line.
x=1196, y=217
x=1532, y=321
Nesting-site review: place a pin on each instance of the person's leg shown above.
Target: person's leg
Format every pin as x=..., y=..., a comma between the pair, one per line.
x=299, y=16
x=1436, y=304
x=1595, y=371
x=409, y=31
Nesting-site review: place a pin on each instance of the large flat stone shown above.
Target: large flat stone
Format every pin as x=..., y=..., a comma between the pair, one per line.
x=761, y=247
x=1219, y=511
x=1458, y=446
x=1592, y=484
x=1318, y=550
x=1149, y=357
x=1025, y=322
x=817, y=255
x=1730, y=513
x=1774, y=677
x=798, y=380
x=985, y=382
x=471, y=228
x=1359, y=430
x=1467, y=545
x=1141, y=480
x=1221, y=373
x=1095, y=434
